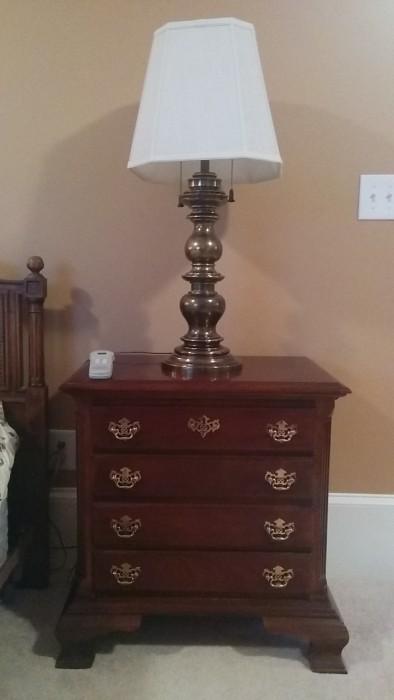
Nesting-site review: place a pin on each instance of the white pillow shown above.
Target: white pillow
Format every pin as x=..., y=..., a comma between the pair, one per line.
x=8, y=446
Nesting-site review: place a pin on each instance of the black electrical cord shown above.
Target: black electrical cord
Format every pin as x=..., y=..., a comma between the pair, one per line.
x=56, y=461
x=62, y=547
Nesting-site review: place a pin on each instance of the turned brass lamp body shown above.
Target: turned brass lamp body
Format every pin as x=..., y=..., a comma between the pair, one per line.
x=202, y=306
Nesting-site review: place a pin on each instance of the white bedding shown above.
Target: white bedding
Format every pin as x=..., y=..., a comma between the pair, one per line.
x=8, y=447
x=3, y=531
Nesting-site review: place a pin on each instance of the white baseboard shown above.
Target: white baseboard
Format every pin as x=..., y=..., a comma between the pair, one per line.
x=360, y=535
x=360, y=530
x=361, y=499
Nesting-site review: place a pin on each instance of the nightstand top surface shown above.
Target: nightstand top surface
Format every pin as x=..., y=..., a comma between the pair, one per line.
x=134, y=372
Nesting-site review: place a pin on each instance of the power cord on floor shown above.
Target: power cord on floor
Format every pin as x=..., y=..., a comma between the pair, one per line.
x=63, y=548
x=56, y=461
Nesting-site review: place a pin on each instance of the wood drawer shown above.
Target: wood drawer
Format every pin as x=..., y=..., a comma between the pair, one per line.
x=203, y=477
x=138, y=428
x=204, y=573
x=164, y=526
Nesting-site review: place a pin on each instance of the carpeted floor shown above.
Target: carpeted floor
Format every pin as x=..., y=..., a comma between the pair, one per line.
x=188, y=659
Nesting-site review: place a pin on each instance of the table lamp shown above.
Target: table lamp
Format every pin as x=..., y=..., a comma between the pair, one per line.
x=204, y=114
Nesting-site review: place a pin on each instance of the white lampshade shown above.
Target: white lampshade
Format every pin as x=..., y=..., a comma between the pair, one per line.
x=204, y=98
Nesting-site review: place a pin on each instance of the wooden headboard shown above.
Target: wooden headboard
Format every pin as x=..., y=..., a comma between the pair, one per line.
x=22, y=382
x=24, y=395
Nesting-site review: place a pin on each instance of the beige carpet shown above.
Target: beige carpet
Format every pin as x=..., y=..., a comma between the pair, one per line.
x=189, y=660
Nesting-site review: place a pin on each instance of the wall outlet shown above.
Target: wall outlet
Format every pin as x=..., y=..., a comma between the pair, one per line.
x=376, y=197
x=67, y=437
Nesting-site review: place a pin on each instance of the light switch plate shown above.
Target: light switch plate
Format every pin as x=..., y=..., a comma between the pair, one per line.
x=376, y=197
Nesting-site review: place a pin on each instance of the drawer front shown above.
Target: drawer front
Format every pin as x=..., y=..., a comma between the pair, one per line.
x=138, y=428
x=153, y=526
x=133, y=572
x=199, y=477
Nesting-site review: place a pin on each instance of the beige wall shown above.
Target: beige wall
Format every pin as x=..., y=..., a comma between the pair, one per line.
x=303, y=276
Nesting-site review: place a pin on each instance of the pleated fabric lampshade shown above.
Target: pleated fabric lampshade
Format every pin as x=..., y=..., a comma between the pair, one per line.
x=204, y=98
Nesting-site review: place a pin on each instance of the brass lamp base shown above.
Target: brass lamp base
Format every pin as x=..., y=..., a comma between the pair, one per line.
x=185, y=364
x=202, y=306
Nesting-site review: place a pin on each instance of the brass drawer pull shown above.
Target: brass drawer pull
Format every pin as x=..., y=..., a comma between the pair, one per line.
x=282, y=431
x=278, y=577
x=125, y=574
x=203, y=425
x=124, y=429
x=125, y=478
x=125, y=526
x=279, y=530
x=281, y=480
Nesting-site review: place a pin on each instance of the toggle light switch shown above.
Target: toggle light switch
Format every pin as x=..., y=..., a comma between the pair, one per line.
x=376, y=197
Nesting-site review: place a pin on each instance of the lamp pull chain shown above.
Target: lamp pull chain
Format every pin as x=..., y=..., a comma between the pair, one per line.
x=231, y=191
x=180, y=203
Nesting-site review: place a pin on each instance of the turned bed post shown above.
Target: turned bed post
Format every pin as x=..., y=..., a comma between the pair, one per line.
x=35, y=292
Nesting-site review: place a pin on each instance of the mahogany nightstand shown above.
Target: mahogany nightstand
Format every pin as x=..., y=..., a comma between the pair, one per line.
x=203, y=496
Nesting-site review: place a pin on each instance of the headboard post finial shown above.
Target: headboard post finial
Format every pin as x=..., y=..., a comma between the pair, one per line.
x=35, y=264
